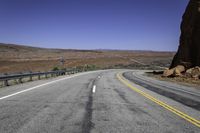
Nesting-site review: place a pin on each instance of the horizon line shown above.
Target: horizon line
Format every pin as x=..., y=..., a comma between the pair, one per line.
x=98, y=49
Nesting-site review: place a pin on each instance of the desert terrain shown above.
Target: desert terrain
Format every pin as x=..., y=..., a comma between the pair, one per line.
x=19, y=58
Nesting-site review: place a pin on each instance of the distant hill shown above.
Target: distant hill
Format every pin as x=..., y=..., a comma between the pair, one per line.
x=19, y=58
x=20, y=52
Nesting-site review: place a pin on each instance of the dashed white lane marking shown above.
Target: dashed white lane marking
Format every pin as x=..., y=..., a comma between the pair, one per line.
x=35, y=87
x=94, y=88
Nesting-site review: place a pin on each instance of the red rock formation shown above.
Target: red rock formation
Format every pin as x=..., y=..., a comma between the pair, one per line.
x=188, y=53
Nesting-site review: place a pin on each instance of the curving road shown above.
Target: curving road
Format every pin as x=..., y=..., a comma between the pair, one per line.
x=96, y=102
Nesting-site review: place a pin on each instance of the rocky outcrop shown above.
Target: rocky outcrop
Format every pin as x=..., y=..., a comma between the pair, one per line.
x=188, y=53
x=187, y=58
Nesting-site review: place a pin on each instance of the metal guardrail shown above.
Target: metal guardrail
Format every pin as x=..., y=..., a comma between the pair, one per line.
x=7, y=77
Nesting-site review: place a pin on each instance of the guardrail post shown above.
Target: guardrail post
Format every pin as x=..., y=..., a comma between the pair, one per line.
x=46, y=75
x=20, y=80
x=6, y=83
x=31, y=77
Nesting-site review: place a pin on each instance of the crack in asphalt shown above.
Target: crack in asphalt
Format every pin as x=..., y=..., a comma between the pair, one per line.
x=130, y=105
x=87, y=120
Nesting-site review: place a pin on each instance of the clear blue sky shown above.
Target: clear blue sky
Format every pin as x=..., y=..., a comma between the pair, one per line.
x=92, y=24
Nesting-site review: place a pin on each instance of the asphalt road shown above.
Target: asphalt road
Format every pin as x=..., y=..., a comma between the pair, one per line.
x=186, y=95
x=96, y=102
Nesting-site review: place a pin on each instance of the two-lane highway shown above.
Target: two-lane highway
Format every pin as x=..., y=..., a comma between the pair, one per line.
x=89, y=102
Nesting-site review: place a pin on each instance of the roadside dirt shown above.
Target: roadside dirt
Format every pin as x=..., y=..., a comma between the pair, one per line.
x=179, y=80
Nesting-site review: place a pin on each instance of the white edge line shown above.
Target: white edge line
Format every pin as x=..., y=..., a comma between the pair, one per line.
x=35, y=87
x=94, y=89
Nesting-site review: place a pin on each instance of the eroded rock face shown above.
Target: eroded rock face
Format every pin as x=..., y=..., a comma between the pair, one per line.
x=188, y=53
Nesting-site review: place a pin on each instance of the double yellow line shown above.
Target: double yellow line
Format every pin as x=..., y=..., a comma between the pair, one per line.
x=164, y=105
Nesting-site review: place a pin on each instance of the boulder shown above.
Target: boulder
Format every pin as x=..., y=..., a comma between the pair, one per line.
x=176, y=71
x=168, y=72
x=193, y=72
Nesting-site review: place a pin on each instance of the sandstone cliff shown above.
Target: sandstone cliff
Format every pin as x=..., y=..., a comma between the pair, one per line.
x=188, y=53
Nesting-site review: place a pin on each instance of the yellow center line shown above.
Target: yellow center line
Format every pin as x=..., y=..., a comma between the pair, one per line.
x=164, y=105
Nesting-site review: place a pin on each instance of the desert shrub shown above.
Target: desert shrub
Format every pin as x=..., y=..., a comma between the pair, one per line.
x=55, y=69
x=91, y=67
